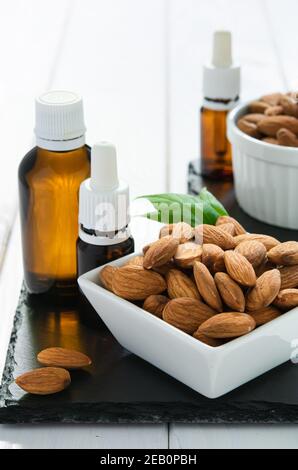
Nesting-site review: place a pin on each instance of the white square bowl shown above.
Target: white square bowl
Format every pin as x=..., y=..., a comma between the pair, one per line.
x=207, y=370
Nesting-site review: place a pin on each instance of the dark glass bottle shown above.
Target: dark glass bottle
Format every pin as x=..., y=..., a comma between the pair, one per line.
x=92, y=256
x=49, y=182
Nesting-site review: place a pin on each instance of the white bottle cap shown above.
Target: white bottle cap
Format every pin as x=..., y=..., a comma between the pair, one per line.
x=59, y=120
x=104, y=200
x=221, y=79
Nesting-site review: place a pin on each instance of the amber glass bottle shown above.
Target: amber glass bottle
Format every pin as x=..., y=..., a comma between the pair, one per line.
x=215, y=148
x=221, y=85
x=49, y=179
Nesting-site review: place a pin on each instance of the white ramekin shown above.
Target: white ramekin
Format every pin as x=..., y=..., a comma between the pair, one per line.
x=266, y=176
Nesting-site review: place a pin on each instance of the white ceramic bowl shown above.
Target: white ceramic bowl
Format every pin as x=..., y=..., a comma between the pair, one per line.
x=266, y=176
x=210, y=371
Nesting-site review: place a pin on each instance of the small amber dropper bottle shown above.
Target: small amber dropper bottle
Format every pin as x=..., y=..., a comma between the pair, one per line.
x=221, y=87
x=104, y=233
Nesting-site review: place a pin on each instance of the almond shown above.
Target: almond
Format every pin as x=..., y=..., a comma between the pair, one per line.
x=239, y=268
x=228, y=325
x=270, y=140
x=205, y=339
x=136, y=261
x=187, y=254
x=265, y=266
x=254, y=117
x=274, y=111
x=213, y=257
x=265, y=290
x=136, y=283
x=268, y=241
x=249, y=128
x=230, y=292
x=165, y=268
x=61, y=357
x=264, y=315
x=286, y=138
x=254, y=251
x=44, y=381
x=289, y=277
x=180, y=285
x=183, y=231
x=215, y=235
x=226, y=219
x=186, y=314
x=207, y=287
x=273, y=99
x=160, y=252
x=155, y=304
x=106, y=276
x=257, y=106
x=285, y=253
x=287, y=299
x=270, y=125
x=289, y=105
x=229, y=228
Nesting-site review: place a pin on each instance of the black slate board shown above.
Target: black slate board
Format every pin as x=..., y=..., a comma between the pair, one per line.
x=122, y=388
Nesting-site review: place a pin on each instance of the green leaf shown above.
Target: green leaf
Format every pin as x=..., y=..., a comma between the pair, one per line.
x=174, y=207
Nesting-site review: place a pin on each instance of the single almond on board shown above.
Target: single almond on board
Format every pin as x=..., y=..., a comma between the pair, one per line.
x=258, y=106
x=231, y=293
x=61, y=357
x=187, y=253
x=205, y=339
x=239, y=268
x=226, y=219
x=286, y=299
x=213, y=257
x=180, y=285
x=136, y=283
x=206, y=286
x=205, y=233
x=228, y=325
x=268, y=241
x=106, y=276
x=160, y=252
x=265, y=290
x=289, y=277
x=285, y=253
x=135, y=261
x=264, y=315
x=181, y=230
x=186, y=314
x=254, y=251
x=155, y=304
x=44, y=381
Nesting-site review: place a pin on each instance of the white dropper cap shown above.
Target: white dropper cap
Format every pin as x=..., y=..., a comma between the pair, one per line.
x=221, y=79
x=104, y=172
x=222, y=49
x=59, y=120
x=104, y=199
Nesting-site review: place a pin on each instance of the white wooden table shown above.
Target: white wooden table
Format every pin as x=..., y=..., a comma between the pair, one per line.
x=138, y=66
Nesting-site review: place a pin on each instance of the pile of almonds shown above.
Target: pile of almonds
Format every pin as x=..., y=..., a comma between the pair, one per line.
x=213, y=282
x=273, y=119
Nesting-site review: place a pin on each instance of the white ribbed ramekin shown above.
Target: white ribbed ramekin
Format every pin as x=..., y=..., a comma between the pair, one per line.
x=265, y=175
